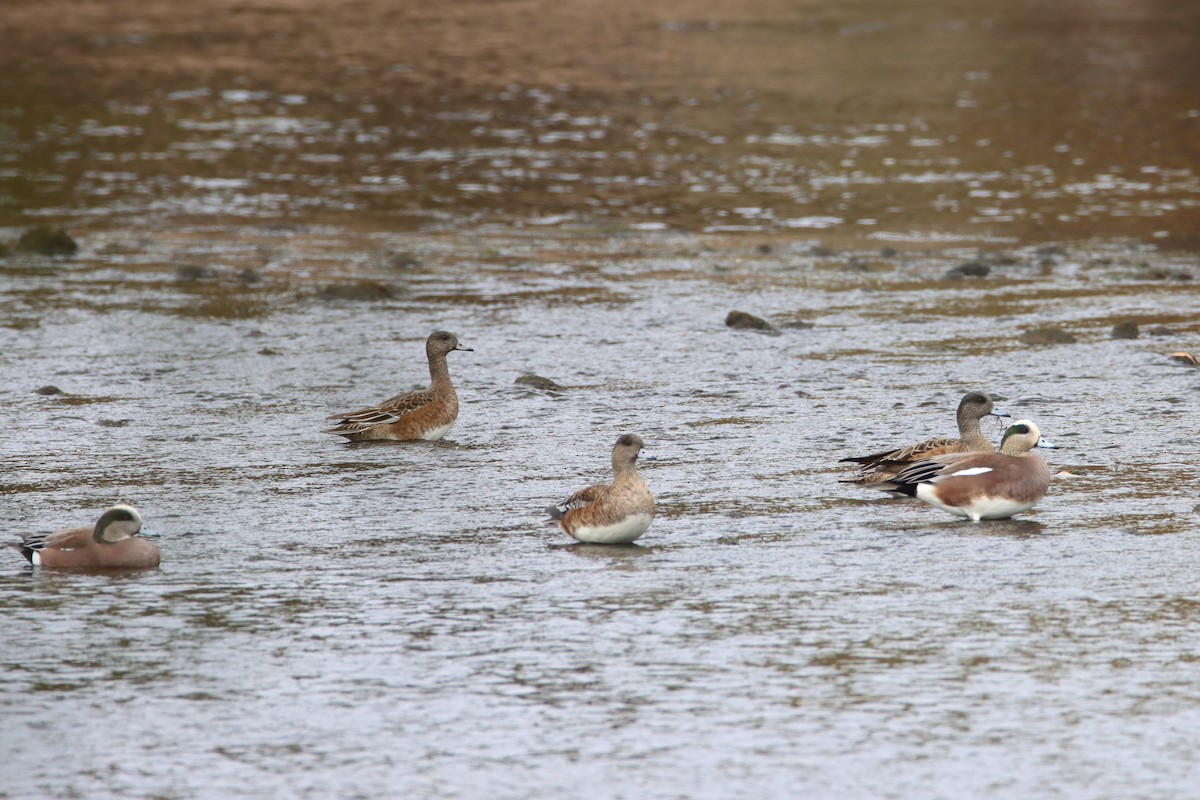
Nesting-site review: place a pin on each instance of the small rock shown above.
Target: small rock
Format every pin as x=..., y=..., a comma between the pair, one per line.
x=888, y=252
x=43, y=241
x=404, y=261
x=1160, y=330
x=1048, y=334
x=1125, y=330
x=249, y=277
x=362, y=291
x=539, y=383
x=194, y=272
x=744, y=321
x=971, y=269
x=763, y=249
x=48, y=391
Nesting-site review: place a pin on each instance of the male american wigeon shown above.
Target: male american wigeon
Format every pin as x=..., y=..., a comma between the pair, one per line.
x=981, y=485
x=425, y=414
x=610, y=513
x=971, y=409
x=112, y=544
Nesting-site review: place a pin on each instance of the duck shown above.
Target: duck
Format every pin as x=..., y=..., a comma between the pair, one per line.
x=113, y=543
x=424, y=414
x=879, y=467
x=981, y=486
x=610, y=513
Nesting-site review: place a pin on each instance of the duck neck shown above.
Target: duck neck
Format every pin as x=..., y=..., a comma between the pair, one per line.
x=623, y=467
x=439, y=372
x=969, y=432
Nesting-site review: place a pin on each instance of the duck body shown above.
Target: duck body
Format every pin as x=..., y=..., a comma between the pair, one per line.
x=881, y=466
x=425, y=414
x=610, y=513
x=113, y=543
x=979, y=486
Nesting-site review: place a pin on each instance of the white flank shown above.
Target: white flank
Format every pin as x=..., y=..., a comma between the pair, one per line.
x=37, y=558
x=977, y=509
x=623, y=532
x=433, y=434
x=962, y=473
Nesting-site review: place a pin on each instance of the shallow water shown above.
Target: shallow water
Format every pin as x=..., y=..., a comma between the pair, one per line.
x=397, y=620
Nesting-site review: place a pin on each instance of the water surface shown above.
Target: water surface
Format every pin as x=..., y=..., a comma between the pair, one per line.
x=260, y=248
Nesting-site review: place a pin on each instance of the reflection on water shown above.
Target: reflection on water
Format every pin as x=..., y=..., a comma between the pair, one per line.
x=264, y=241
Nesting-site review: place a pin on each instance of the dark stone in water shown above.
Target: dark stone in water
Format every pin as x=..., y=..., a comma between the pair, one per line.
x=404, y=261
x=539, y=383
x=363, y=291
x=249, y=277
x=193, y=272
x=1125, y=330
x=43, y=241
x=744, y=321
x=971, y=269
x=1160, y=330
x=1048, y=334
x=48, y=391
x=889, y=252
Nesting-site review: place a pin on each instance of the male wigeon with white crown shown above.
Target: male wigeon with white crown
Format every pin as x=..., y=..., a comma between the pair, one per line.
x=113, y=543
x=981, y=486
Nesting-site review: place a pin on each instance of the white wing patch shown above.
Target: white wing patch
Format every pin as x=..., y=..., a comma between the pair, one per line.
x=962, y=473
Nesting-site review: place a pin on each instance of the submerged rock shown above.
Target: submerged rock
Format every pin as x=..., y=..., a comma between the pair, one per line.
x=1160, y=330
x=539, y=383
x=43, y=241
x=745, y=321
x=1125, y=330
x=1047, y=334
x=361, y=291
x=187, y=273
x=971, y=269
x=48, y=391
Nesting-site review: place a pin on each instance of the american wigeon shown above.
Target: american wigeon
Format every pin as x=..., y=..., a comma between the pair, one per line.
x=113, y=544
x=981, y=485
x=425, y=414
x=610, y=513
x=880, y=467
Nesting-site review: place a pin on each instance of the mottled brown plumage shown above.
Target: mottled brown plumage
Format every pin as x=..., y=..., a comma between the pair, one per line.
x=424, y=414
x=610, y=513
x=879, y=467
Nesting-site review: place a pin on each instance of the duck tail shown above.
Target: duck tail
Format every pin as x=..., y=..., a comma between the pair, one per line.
x=24, y=550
